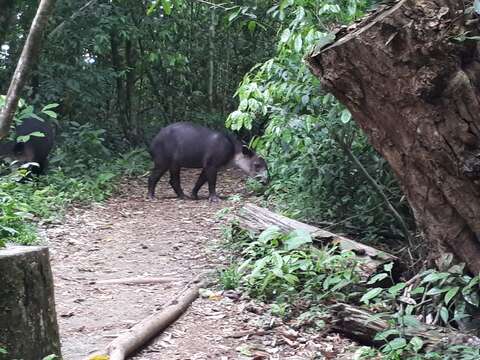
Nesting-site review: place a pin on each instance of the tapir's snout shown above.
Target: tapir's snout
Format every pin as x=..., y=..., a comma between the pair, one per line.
x=263, y=177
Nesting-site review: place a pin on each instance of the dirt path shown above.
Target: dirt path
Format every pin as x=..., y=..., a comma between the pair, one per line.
x=131, y=236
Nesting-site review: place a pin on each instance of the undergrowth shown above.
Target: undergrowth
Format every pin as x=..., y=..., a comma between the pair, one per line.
x=82, y=170
x=301, y=280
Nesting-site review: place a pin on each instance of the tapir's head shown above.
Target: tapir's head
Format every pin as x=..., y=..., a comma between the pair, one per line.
x=254, y=165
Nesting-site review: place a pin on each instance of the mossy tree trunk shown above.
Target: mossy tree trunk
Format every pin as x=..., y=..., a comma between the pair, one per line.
x=415, y=91
x=28, y=323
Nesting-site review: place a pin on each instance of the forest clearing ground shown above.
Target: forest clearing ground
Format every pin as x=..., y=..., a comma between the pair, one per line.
x=130, y=236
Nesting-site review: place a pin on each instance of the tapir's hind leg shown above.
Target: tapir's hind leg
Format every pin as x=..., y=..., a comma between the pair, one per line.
x=175, y=181
x=157, y=173
x=202, y=179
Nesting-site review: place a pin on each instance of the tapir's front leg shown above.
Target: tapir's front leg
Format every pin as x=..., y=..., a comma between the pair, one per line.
x=211, y=173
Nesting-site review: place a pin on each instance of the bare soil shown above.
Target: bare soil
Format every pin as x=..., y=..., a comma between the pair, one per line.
x=130, y=236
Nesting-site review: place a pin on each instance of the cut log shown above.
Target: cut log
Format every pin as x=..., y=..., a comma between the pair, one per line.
x=152, y=326
x=362, y=325
x=28, y=322
x=412, y=83
x=256, y=219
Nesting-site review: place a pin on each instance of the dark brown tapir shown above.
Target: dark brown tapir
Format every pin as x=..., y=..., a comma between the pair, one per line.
x=186, y=145
x=34, y=151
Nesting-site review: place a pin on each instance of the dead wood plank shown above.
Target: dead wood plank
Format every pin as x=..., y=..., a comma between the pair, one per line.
x=363, y=325
x=254, y=218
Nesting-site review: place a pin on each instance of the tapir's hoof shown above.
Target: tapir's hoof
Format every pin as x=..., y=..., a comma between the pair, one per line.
x=151, y=197
x=194, y=197
x=183, y=197
x=214, y=199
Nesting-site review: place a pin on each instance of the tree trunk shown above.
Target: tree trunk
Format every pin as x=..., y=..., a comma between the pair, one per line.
x=28, y=322
x=29, y=53
x=414, y=91
x=211, y=59
x=134, y=127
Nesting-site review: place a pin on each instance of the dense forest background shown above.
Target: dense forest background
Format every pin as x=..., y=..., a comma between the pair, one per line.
x=111, y=73
x=120, y=70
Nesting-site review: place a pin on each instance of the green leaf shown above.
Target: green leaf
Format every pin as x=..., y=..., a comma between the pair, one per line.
x=50, y=357
x=345, y=116
x=435, y=277
x=394, y=290
x=298, y=43
x=297, y=238
x=410, y=321
x=50, y=113
x=25, y=138
x=371, y=294
x=451, y=294
x=291, y=279
x=388, y=267
x=269, y=233
x=418, y=290
x=396, y=344
x=416, y=343
x=472, y=298
x=378, y=277
x=435, y=290
x=383, y=335
x=251, y=26
x=476, y=6
x=444, y=314
x=50, y=106
x=233, y=15
x=167, y=7
x=285, y=36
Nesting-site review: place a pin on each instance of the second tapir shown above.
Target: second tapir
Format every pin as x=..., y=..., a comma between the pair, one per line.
x=35, y=149
x=186, y=145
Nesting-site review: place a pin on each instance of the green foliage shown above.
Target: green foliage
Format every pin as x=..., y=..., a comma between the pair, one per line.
x=305, y=130
x=403, y=350
x=442, y=297
x=82, y=169
x=286, y=267
x=230, y=277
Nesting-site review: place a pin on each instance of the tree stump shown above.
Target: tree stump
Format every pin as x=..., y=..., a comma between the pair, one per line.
x=28, y=322
x=411, y=80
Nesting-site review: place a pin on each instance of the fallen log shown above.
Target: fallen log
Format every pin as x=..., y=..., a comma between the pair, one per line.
x=256, y=219
x=363, y=326
x=135, y=281
x=152, y=326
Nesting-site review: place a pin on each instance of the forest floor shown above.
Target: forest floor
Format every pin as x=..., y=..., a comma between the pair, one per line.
x=130, y=236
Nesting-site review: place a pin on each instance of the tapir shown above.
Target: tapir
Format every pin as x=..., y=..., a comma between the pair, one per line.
x=186, y=145
x=35, y=150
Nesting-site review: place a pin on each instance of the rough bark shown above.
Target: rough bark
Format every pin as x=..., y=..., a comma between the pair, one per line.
x=363, y=326
x=415, y=92
x=257, y=219
x=29, y=53
x=28, y=323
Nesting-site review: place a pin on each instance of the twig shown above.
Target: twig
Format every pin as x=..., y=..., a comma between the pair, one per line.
x=136, y=280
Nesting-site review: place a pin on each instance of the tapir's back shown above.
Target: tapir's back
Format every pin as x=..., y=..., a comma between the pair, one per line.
x=188, y=145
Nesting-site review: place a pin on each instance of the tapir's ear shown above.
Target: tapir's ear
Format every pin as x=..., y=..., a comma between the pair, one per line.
x=246, y=151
